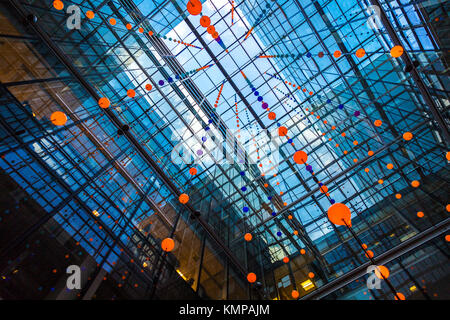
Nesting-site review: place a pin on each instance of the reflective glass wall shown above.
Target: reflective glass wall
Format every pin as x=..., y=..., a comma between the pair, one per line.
x=128, y=125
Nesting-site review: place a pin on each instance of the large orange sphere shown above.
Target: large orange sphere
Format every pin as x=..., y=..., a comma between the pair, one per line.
x=282, y=131
x=397, y=51
x=184, y=198
x=58, y=4
x=407, y=136
x=369, y=254
x=400, y=295
x=285, y=259
x=131, y=93
x=272, y=115
x=248, y=237
x=311, y=275
x=90, y=14
x=300, y=157
x=415, y=184
x=104, y=103
x=205, y=21
x=295, y=294
x=360, y=53
x=251, y=277
x=193, y=171
x=58, y=118
x=168, y=244
x=340, y=214
x=381, y=271
x=211, y=29
x=194, y=7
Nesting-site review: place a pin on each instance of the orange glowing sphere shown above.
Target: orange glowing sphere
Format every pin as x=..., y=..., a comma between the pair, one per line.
x=407, y=136
x=415, y=184
x=58, y=118
x=300, y=157
x=397, y=51
x=400, y=295
x=131, y=93
x=369, y=254
x=381, y=271
x=282, y=131
x=340, y=214
x=58, y=4
x=104, y=103
x=194, y=7
x=251, y=277
x=272, y=115
x=248, y=237
x=360, y=53
x=168, y=244
x=205, y=21
x=90, y=14
x=184, y=198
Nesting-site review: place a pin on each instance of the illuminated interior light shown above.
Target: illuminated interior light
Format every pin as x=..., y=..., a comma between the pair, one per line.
x=182, y=275
x=307, y=285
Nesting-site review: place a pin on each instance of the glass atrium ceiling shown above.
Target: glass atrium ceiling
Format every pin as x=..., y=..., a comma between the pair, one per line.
x=265, y=121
